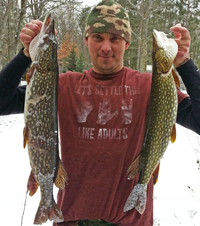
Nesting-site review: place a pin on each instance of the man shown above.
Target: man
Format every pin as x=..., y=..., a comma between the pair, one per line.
x=102, y=117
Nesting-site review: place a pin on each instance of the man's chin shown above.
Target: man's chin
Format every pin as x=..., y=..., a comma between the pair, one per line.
x=104, y=70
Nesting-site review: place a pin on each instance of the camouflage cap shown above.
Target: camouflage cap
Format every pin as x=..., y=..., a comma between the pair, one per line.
x=109, y=17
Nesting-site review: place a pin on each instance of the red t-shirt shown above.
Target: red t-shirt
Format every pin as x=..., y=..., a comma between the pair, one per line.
x=102, y=124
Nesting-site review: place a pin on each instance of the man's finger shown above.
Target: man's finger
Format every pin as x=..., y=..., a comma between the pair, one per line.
x=38, y=23
x=177, y=25
x=33, y=27
x=184, y=33
x=177, y=35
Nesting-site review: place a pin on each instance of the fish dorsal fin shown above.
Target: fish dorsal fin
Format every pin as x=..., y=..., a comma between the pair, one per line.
x=134, y=168
x=173, y=134
x=61, y=177
x=175, y=76
x=32, y=184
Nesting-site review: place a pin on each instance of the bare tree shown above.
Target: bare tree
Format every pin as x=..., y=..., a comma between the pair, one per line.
x=14, y=14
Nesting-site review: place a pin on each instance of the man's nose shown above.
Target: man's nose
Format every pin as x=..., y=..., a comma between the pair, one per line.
x=106, y=46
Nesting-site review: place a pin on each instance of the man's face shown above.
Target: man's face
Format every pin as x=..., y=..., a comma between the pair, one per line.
x=106, y=52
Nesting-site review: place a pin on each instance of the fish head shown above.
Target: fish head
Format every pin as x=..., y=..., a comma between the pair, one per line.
x=47, y=44
x=43, y=48
x=164, y=52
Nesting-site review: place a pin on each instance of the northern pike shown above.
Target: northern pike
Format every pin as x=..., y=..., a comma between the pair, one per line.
x=41, y=124
x=161, y=119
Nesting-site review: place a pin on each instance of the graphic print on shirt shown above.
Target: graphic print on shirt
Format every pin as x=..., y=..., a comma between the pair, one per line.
x=105, y=113
x=127, y=112
x=83, y=111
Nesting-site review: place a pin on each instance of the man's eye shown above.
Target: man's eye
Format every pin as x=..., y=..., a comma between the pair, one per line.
x=116, y=38
x=97, y=37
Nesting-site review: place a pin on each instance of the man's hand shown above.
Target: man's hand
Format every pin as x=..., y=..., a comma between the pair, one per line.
x=27, y=34
x=183, y=39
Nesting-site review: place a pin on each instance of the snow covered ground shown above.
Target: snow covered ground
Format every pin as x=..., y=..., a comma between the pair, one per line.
x=14, y=173
x=176, y=195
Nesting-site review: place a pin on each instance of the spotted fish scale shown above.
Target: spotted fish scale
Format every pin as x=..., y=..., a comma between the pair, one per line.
x=41, y=124
x=161, y=119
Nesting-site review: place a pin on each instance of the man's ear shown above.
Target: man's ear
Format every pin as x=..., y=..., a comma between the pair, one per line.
x=127, y=45
x=86, y=41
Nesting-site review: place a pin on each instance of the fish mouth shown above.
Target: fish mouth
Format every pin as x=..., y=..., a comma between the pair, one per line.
x=154, y=34
x=48, y=28
x=159, y=39
x=155, y=37
x=44, y=38
x=164, y=51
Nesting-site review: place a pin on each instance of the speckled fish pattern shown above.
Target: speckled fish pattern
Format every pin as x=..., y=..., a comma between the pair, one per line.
x=41, y=124
x=161, y=119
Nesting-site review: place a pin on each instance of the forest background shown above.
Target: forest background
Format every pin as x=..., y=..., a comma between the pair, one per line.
x=70, y=17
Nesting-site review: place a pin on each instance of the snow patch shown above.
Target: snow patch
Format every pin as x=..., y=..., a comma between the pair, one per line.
x=176, y=195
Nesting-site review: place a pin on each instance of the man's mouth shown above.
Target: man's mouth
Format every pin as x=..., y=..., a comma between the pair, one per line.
x=104, y=56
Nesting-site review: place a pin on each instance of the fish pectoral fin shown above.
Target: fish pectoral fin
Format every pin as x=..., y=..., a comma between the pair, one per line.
x=32, y=184
x=173, y=134
x=25, y=136
x=175, y=76
x=134, y=168
x=29, y=74
x=156, y=173
x=61, y=177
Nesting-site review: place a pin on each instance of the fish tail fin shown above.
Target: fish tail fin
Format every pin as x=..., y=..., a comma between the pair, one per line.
x=134, y=168
x=52, y=213
x=61, y=177
x=137, y=199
